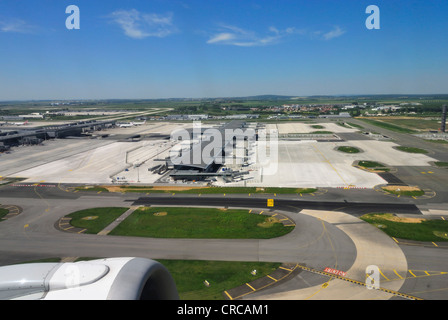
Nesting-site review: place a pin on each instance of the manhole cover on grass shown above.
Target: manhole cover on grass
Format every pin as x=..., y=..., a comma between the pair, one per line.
x=268, y=223
x=90, y=218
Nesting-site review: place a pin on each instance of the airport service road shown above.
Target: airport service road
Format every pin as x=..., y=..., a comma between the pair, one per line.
x=325, y=236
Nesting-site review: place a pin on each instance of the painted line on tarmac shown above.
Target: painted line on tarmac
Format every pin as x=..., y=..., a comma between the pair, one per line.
x=403, y=295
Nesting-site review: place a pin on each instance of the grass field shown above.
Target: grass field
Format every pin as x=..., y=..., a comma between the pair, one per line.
x=347, y=149
x=414, y=124
x=439, y=141
x=92, y=189
x=96, y=219
x=404, y=191
x=199, y=223
x=3, y=212
x=411, y=149
x=418, y=229
x=189, y=276
x=441, y=164
x=372, y=165
x=388, y=126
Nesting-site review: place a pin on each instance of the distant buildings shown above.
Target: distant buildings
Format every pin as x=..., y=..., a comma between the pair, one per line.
x=333, y=116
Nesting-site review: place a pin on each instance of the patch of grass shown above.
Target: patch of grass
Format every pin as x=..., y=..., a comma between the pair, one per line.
x=440, y=141
x=3, y=213
x=347, y=149
x=103, y=217
x=198, y=223
x=426, y=230
x=411, y=149
x=355, y=125
x=317, y=126
x=388, y=126
x=92, y=188
x=321, y=132
x=404, y=191
x=189, y=276
x=441, y=164
x=370, y=164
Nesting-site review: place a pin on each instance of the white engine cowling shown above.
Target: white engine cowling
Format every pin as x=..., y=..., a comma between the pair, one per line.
x=102, y=279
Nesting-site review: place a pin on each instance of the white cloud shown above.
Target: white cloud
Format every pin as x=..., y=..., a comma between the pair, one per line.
x=335, y=33
x=232, y=35
x=16, y=26
x=220, y=37
x=138, y=25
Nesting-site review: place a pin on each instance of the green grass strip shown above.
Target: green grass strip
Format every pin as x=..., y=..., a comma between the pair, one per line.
x=198, y=223
x=189, y=276
x=3, y=213
x=347, y=149
x=96, y=219
x=411, y=150
x=388, y=126
x=427, y=230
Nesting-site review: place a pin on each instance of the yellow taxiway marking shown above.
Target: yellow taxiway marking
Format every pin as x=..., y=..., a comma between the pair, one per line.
x=329, y=163
x=384, y=275
x=250, y=286
x=290, y=270
x=398, y=274
x=272, y=278
x=227, y=294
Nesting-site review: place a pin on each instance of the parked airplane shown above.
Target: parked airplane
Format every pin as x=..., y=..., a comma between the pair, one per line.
x=126, y=125
x=131, y=124
x=14, y=123
x=20, y=123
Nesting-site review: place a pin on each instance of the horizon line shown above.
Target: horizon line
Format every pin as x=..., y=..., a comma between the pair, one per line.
x=229, y=97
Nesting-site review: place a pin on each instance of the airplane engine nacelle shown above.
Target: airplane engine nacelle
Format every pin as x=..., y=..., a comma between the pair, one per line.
x=103, y=279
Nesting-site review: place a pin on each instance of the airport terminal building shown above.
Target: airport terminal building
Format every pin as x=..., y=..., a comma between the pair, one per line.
x=204, y=151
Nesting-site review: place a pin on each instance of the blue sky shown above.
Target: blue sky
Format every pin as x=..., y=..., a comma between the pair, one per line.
x=147, y=49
